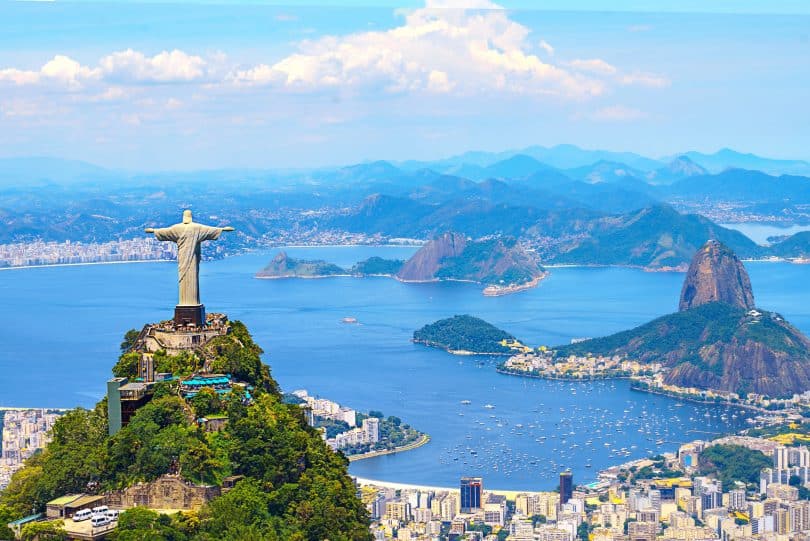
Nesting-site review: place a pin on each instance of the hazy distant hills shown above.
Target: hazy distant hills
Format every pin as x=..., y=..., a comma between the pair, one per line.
x=744, y=185
x=654, y=237
x=570, y=204
x=22, y=172
x=730, y=159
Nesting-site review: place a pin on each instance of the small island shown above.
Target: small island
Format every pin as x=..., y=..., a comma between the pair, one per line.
x=284, y=266
x=468, y=335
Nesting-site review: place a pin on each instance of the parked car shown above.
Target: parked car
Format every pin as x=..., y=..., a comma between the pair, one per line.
x=82, y=514
x=100, y=510
x=99, y=520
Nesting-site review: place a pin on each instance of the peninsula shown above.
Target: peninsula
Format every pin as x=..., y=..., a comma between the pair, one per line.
x=718, y=342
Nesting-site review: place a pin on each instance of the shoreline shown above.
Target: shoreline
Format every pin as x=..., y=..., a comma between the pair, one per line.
x=460, y=352
x=537, y=376
x=668, y=394
x=500, y=291
x=511, y=289
x=424, y=439
x=49, y=265
x=509, y=493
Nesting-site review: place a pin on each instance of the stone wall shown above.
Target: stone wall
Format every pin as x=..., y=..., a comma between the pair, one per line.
x=167, y=492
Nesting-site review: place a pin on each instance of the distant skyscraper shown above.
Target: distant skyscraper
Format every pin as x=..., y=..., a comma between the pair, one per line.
x=711, y=499
x=781, y=458
x=472, y=489
x=566, y=486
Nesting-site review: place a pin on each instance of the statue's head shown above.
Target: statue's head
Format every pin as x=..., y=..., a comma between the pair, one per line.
x=186, y=216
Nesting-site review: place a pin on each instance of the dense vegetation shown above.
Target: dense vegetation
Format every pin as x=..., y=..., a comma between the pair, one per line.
x=686, y=331
x=655, y=237
x=710, y=338
x=464, y=333
x=283, y=266
x=295, y=487
x=475, y=263
x=732, y=463
x=374, y=266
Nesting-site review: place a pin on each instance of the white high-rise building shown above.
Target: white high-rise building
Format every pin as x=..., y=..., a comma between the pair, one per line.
x=371, y=426
x=781, y=458
x=736, y=500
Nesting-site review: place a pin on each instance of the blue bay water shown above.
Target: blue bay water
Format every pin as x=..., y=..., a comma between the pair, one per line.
x=62, y=326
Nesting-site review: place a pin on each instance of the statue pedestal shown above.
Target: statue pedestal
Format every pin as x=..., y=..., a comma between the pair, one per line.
x=189, y=316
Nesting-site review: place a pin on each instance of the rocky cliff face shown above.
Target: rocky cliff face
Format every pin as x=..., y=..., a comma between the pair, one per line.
x=425, y=264
x=716, y=275
x=495, y=261
x=717, y=340
x=764, y=355
x=280, y=265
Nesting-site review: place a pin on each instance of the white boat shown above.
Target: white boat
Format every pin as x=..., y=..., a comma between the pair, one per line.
x=489, y=406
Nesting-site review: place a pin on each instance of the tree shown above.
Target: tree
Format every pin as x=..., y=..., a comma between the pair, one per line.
x=141, y=524
x=129, y=340
x=206, y=402
x=7, y=514
x=733, y=463
x=127, y=365
x=44, y=531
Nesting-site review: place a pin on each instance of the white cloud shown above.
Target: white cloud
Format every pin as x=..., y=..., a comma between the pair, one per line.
x=165, y=67
x=439, y=82
x=546, y=46
x=127, y=66
x=458, y=47
x=593, y=65
x=645, y=79
x=60, y=69
x=467, y=47
x=19, y=77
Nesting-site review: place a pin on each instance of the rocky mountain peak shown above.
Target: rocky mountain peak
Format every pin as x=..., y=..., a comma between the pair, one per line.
x=716, y=275
x=424, y=263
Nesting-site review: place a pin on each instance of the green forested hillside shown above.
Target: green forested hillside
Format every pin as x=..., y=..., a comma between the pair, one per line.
x=715, y=346
x=463, y=333
x=655, y=237
x=377, y=266
x=295, y=487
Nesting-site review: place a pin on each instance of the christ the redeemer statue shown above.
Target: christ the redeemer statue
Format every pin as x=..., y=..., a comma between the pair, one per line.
x=188, y=235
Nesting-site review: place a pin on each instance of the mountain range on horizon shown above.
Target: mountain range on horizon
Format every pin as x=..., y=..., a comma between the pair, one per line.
x=475, y=165
x=622, y=209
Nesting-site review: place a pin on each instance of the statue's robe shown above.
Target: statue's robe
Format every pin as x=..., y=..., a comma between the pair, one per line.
x=188, y=237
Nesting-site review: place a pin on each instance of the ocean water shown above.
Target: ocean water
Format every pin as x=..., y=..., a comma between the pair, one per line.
x=760, y=233
x=62, y=326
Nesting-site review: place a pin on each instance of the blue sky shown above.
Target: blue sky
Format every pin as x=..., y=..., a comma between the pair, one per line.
x=203, y=85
